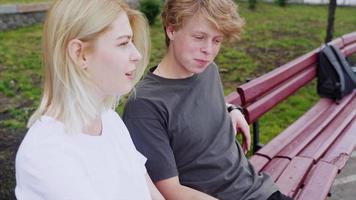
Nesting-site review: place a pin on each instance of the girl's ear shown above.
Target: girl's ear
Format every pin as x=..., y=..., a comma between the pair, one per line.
x=170, y=32
x=76, y=53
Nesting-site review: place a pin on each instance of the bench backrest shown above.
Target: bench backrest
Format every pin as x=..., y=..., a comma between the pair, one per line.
x=265, y=92
x=233, y=98
x=349, y=41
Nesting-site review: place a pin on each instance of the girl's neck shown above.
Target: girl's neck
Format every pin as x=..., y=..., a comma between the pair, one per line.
x=95, y=128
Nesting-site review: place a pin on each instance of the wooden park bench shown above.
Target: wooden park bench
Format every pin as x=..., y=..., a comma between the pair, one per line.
x=305, y=158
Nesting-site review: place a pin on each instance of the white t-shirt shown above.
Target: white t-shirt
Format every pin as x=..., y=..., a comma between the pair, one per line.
x=51, y=164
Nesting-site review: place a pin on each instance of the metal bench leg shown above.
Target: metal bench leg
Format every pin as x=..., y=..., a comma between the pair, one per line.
x=256, y=137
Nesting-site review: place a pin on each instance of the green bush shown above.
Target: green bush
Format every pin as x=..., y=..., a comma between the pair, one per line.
x=281, y=3
x=252, y=4
x=151, y=8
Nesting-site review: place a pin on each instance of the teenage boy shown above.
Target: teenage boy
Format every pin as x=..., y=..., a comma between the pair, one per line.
x=178, y=118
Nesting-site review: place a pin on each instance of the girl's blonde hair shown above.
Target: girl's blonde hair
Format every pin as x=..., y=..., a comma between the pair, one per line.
x=220, y=13
x=67, y=88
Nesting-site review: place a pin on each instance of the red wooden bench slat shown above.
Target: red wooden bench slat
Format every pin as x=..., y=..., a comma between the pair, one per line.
x=233, y=98
x=267, y=102
x=259, y=162
x=338, y=42
x=275, y=167
x=321, y=144
x=349, y=38
x=340, y=151
x=318, y=182
x=277, y=144
x=292, y=177
x=310, y=132
x=259, y=86
x=349, y=50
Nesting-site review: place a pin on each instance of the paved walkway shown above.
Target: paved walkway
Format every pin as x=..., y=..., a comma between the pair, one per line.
x=344, y=187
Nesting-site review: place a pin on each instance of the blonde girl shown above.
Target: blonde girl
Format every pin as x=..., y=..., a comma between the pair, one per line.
x=77, y=147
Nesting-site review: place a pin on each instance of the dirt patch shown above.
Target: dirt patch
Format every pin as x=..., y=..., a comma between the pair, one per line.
x=9, y=143
x=36, y=80
x=10, y=139
x=266, y=59
x=277, y=35
x=4, y=103
x=270, y=58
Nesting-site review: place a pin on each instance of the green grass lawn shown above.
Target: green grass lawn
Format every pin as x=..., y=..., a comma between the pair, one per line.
x=273, y=36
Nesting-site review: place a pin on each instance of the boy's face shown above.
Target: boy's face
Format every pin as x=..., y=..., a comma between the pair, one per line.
x=195, y=45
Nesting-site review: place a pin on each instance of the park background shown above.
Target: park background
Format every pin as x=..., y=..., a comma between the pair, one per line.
x=273, y=36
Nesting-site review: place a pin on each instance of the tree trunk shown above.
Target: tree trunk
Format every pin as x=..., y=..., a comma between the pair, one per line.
x=331, y=19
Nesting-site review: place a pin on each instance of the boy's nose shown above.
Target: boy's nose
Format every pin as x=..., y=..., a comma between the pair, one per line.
x=207, y=49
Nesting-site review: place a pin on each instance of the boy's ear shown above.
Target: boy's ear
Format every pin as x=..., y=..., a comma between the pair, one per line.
x=170, y=32
x=76, y=53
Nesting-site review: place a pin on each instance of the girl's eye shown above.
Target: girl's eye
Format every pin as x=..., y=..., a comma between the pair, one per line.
x=199, y=37
x=123, y=43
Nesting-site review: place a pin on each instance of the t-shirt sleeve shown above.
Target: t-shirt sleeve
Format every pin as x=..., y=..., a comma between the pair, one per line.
x=49, y=174
x=151, y=139
x=138, y=159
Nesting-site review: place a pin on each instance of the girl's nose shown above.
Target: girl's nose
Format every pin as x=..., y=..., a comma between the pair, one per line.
x=135, y=55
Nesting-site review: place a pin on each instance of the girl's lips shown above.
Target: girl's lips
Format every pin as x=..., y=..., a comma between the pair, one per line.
x=130, y=75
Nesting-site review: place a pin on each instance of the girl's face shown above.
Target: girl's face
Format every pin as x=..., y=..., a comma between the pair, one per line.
x=113, y=61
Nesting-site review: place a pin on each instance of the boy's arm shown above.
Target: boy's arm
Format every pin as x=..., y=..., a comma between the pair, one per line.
x=172, y=189
x=155, y=194
x=240, y=124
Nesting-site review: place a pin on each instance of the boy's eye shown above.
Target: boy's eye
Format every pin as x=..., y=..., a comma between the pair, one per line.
x=199, y=37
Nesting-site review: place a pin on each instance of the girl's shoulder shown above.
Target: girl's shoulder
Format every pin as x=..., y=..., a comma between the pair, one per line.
x=111, y=118
x=45, y=131
x=45, y=140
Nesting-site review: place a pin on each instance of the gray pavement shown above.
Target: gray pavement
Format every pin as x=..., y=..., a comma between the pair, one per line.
x=344, y=187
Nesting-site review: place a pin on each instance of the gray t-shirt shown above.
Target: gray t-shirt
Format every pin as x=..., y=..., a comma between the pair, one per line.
x=183, y=128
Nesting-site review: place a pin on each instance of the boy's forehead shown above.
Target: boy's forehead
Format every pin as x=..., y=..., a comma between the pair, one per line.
x=200, y=23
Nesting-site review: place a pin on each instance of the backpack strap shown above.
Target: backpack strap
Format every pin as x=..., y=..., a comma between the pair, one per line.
x=329, y=54
x=344, y=63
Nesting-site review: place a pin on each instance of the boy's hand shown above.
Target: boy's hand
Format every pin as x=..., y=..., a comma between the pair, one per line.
x=240, y=125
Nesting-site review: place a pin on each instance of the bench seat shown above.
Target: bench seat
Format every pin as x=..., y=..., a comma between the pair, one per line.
x=306, y=157
x=292, y=166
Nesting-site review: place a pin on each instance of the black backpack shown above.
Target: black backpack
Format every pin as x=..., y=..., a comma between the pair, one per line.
x=335, y=76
